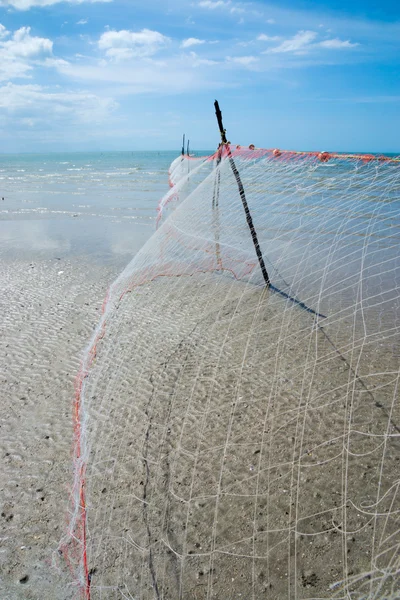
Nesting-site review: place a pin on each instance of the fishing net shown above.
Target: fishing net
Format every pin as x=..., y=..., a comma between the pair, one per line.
x=239, y=440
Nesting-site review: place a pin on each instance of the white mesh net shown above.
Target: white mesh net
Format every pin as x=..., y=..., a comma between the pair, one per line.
x=239, y=441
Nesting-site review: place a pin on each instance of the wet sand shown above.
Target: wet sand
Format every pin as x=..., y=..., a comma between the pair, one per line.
x=48, y=310
x=234, y=453
x=232, y=447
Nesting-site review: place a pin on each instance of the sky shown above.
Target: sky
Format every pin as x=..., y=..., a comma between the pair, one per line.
x=103, y=75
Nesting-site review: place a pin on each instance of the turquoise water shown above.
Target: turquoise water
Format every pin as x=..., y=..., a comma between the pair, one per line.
x=115, y=184
x=97, y=204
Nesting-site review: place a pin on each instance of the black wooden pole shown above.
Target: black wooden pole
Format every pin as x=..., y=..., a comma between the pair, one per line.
x=242, y=196
x=188, y=147
x=183, y=145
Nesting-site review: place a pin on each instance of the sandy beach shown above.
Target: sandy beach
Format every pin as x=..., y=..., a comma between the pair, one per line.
x=49, y=308
x=226, y=443
x=199, y=300
x=69, y=224
x=222, y=463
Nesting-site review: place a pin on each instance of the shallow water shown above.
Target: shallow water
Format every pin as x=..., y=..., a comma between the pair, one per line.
x=98, y=204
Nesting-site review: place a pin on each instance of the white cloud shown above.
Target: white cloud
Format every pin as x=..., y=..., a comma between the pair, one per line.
x=197, y=62
x=13, y=69
x=24, y=45
x=192, y=42
x=244, y=61
x=125, y=44
x=305, y=41
x=271, y=21
x=42, y=104
x=21, y=51
x=337, y=44
x=3, y=31
x=213, y=4
x=238, y=11
x=56, y=63
x=260, y=38
x=141, y=75
x=27, y=4
x=297, y=44
x=268, y=38
x=82, y=22
x=120, y=54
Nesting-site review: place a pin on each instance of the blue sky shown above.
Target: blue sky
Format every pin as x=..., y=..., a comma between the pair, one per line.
x=131, y=75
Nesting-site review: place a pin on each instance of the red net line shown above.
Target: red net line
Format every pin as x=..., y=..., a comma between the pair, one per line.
x=74, y=547
x=251, y=152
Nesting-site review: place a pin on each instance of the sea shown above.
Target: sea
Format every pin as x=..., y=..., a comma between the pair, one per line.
x=101, y=205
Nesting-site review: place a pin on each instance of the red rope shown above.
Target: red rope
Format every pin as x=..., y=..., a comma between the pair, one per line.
x=292, y=154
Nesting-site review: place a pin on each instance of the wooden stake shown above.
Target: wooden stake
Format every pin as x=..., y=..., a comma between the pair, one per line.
x=242, y=196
